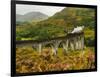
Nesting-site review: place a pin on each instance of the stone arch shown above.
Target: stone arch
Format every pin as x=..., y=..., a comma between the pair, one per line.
x=55, y=46
x=72, y=42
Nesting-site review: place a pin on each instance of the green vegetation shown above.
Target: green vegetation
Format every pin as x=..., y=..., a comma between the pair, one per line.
x=40, y=32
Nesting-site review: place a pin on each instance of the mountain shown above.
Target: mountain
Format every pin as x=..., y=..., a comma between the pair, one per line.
x=31, y=16
x=72, y=17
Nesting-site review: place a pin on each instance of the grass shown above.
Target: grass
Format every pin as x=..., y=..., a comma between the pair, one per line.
x=29, y=60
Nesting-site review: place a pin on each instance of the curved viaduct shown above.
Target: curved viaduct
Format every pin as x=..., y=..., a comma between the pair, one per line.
x=72, y=41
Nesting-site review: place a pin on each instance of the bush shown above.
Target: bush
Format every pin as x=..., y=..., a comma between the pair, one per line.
x=89, y=42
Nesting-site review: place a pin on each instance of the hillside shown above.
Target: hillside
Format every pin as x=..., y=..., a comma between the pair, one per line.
x=72, y=17
x=56, y=25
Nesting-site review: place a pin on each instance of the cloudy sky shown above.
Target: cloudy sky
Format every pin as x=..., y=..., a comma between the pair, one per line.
x=48, y=10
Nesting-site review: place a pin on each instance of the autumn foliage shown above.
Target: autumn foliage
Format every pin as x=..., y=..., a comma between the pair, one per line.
x=28, y=60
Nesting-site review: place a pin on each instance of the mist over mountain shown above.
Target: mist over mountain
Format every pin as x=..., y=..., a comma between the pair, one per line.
x=31, y=16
